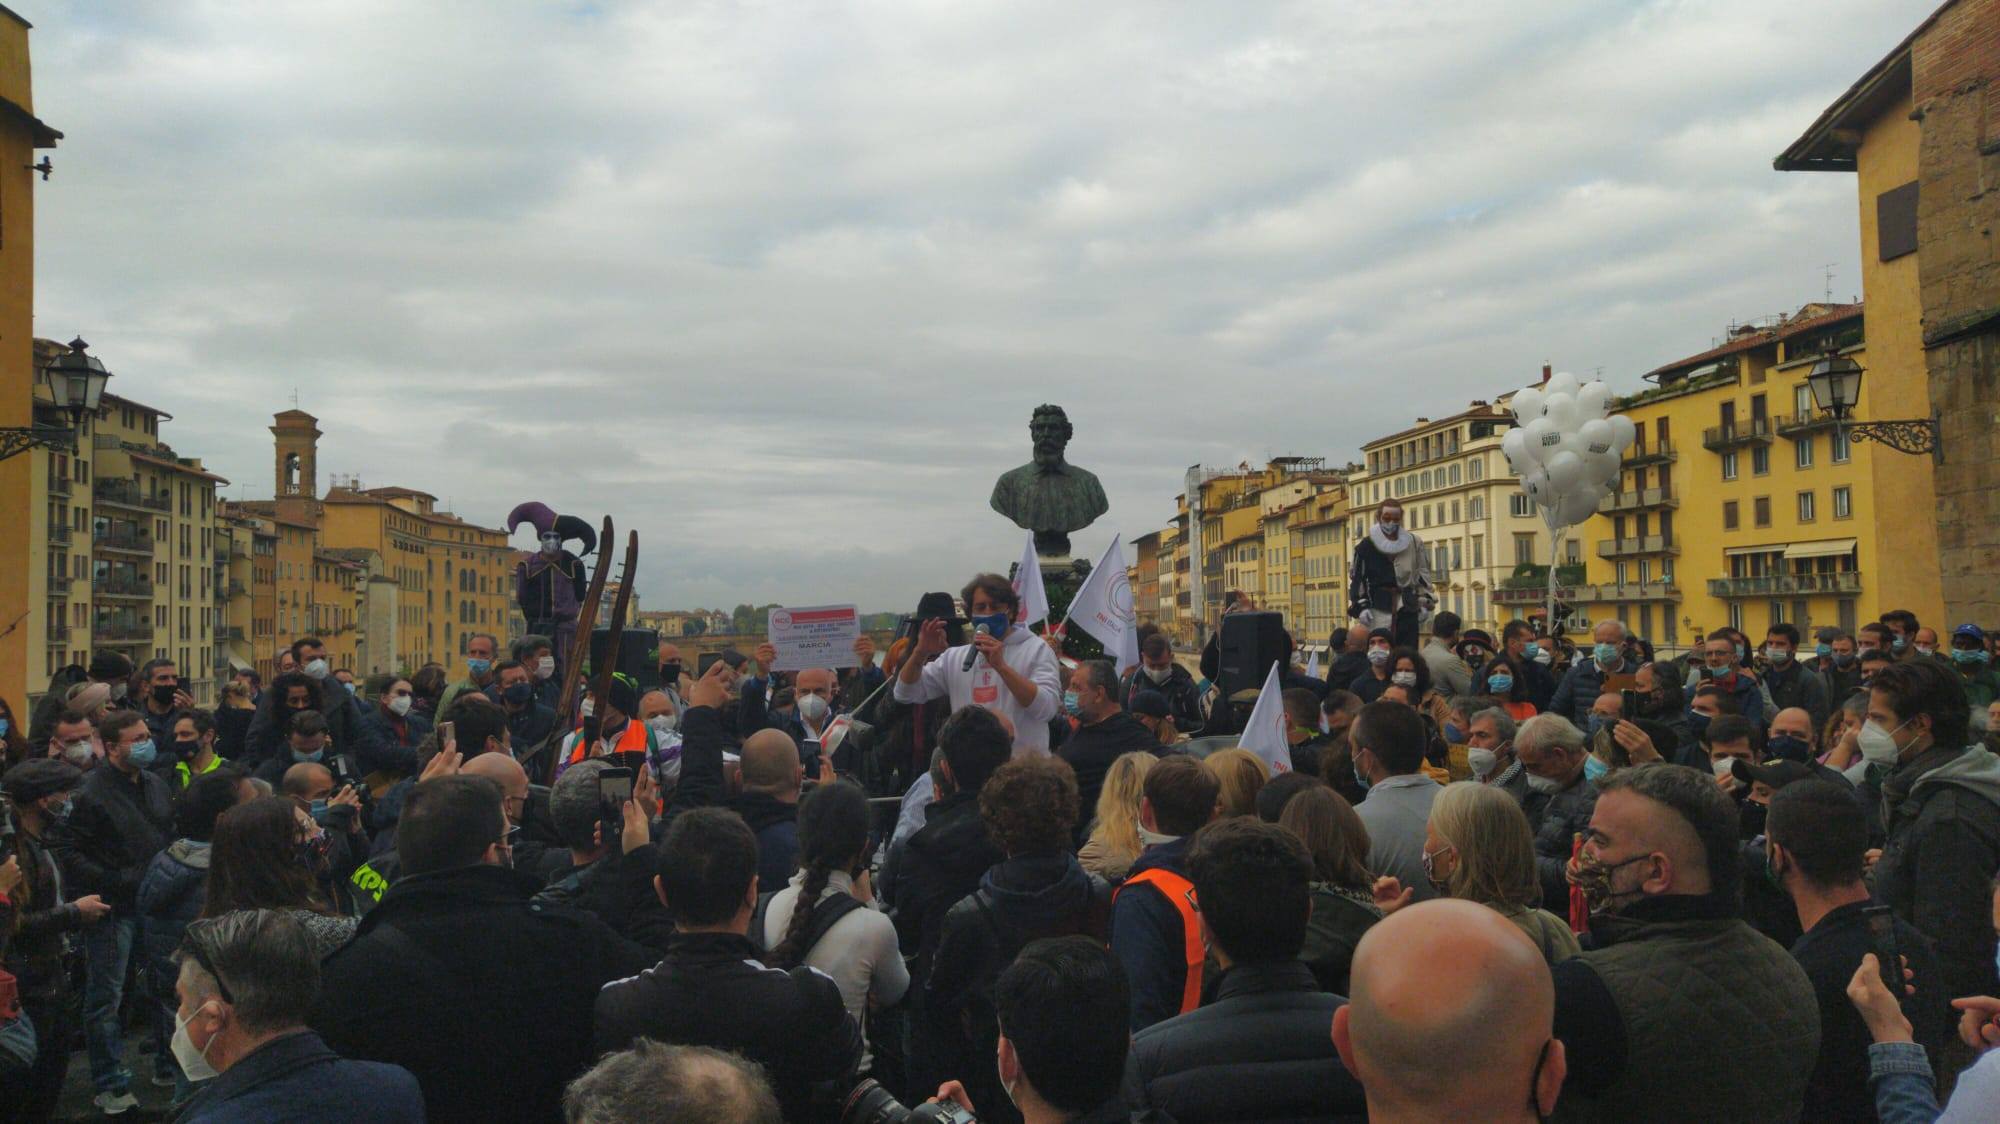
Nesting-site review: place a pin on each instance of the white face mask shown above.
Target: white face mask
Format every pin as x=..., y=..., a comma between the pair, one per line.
x=1404, y=679
x=316, y=669
x=812, y=708
x=118, y=691
x=545, y=667
x=1542, y=656
x=193, y=1062
x=664, y=723
x=1160, y=674
x=400, y=705
x=1481, y=760
x=1878, y=746
x=1927, y=649
x=78, y=753
x=1543, y=784
x=1723, y=766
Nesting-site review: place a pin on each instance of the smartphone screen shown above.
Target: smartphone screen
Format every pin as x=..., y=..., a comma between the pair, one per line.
x=1882, y=934
x=447, y=733
x=1628, y=701
x=705, y=661
x=614, y=787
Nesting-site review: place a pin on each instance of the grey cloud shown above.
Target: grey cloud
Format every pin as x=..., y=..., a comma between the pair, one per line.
x=780, y=285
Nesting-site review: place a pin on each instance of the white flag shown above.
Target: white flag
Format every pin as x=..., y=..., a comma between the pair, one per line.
x=1312, y=665
x=1265, y=733
x=1103, y=608
x=1028, y=587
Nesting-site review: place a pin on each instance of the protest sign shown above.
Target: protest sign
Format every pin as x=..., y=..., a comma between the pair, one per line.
x=814, y=636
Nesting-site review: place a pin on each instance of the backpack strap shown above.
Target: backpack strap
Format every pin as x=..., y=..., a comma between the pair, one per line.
x=757, y=918
x=827, y=913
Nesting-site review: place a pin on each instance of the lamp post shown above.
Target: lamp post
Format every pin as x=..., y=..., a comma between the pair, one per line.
x=1835, y=382
x=76, y=386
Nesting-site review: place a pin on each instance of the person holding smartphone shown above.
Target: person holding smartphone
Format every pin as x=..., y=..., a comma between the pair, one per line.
x=1815, y=843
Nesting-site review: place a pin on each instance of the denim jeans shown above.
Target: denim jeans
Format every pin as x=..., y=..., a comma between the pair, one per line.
x=107, y=946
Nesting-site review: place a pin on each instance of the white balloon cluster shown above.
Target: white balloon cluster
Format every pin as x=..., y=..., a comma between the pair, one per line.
x=1565, y=446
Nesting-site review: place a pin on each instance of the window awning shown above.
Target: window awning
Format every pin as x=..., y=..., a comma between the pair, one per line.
x=237, y=664
x=1826, y=548
x=1767, y=548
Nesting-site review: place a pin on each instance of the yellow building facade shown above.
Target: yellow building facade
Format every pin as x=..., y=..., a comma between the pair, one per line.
x=25, y=591
x=1741, y=505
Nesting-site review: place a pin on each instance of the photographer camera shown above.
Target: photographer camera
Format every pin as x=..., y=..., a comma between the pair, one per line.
x=1062, y=1008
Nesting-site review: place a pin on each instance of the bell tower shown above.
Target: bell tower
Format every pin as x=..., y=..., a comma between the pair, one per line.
x=296, y=485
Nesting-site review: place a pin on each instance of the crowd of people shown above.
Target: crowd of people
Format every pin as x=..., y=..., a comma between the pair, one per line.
x=1502, y=879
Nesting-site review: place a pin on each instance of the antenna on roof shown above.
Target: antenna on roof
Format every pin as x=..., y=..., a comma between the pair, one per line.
x=1828, y=268
x=295, y=398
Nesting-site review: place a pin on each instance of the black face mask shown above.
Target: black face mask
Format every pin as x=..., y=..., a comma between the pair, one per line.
x=164, y=693
x=188, y=749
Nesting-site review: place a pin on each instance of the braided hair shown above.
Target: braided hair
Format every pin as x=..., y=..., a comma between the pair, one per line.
x=833, y=831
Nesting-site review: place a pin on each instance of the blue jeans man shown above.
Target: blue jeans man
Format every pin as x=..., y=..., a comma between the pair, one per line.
x=107, y=947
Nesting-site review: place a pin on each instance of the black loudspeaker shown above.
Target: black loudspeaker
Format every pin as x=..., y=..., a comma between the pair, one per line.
x=1250, y=643
x=638, y=655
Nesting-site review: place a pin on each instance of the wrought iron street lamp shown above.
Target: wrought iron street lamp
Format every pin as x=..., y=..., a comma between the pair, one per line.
x=1835, y=382
x=76, y=386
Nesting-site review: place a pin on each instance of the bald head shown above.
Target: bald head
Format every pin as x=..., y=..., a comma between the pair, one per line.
x=502, y=770
x=307, y=780
x=1449, y=979
x=771, y=764
x=1794, y=721
x=652, y=704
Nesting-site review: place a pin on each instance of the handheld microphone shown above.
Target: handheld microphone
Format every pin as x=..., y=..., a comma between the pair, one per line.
x=971, y=651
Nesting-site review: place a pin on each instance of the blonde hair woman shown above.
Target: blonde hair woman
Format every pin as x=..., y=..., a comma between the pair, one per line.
x=1114, y=839
x=1241, y=774
x=1478, y=848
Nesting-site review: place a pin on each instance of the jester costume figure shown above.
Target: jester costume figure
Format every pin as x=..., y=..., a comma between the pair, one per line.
x=549, y=584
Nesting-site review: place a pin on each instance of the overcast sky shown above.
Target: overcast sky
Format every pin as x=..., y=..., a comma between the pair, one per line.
x=779, y=284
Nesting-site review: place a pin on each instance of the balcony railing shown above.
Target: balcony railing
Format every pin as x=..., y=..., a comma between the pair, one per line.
x=229, y=632
x=1630, y=591
x=58, y=583
x=1642, y=544
x=58, y=485
x=1718, y=438
x=124, y=493
x=1637, y=499
x=59, y=534
x=123, y=587
x=1781, y=585
x=1660, y=452
x=1804, y=424
x=135, y=541
x=121, y=631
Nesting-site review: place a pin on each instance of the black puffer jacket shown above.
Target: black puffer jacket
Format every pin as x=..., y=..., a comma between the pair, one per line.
x=1091, y=750
x=711, y=990
x=1025, y=898
x=617, y=890
x=1262, y=1051
x=940, y=864
x=1556, y=819
x=1339, y=920
x=1942, y=811
x=116, y=825
x=482, y=994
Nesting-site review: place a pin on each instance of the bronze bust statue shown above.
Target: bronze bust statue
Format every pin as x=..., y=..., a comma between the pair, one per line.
x=1049, y=495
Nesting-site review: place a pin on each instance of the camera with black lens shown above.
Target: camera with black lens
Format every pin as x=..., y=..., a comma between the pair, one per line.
x=870, y=1103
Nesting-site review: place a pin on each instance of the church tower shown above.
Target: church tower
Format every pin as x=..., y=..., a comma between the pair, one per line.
x=296, y=486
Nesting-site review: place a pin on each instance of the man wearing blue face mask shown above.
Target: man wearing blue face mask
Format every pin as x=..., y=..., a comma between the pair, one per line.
x=480, y=648
x=1974, y=664
x=1585, y=681
x=1005, y=669
x=121, y=817
x=1720, y=670
x=307, y=740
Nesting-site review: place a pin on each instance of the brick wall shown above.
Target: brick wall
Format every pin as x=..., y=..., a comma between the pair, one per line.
x=1955, y=87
